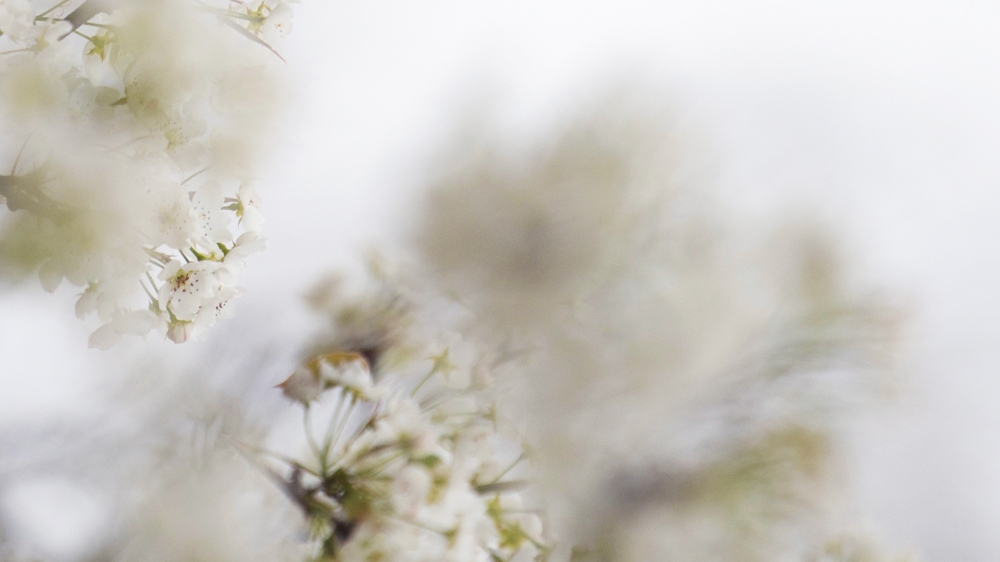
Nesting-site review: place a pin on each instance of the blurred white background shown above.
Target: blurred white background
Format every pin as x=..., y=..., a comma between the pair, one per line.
x=880, y=117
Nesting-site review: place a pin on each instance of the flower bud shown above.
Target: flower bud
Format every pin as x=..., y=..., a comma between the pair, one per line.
x=180, y=332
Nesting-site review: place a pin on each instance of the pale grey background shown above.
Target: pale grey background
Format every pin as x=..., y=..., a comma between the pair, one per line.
x=879, y=116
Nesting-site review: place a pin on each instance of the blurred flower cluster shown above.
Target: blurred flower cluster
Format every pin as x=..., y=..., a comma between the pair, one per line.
x=683, y=380
x=413, y=467
x=133, y=130
x=577, y=357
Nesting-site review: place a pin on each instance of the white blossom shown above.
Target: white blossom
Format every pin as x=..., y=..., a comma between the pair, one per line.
x=304, y=385
x=410, y=490
x=187, y=287
x=17, y=17
x=142, y=130
x=133, y=323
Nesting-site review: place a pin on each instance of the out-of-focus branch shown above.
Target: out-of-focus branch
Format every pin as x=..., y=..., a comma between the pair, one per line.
x=84, y=12
x=242, y=31
x=23, y=193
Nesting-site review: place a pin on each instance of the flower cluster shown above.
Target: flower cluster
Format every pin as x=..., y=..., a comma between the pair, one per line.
x=406, y=473
x=134, y=131
x=684, y=382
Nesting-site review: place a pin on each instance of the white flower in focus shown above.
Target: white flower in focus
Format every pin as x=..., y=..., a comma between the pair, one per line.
x=187, y=287
x=247, y=244
x=180, y=331
x=247, y=207
x=215, y=308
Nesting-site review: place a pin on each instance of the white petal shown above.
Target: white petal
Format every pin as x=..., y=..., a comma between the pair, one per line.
x=280, y=14
x=180, y=332
x=50, y=276
x=252, y=220
x=136, y=322
x=87, y=302
x=104, y=337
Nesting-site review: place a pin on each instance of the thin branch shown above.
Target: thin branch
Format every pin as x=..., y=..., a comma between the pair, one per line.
x=52, y=9
x=196, y=174
x=242, y=31
x=88, y=10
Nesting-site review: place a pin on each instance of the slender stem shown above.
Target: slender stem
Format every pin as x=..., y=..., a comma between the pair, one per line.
x=343, y=421
x=52, y=9
x=422, y=381
x=196, y=174
x=508, y=469
x=87, y=37
x=232, y=14
x=19, y=153
x=328, y=438
x=360, y=431
x=147, y=291
x=278, y=456
x=501, y=487
x=25, y=193
x=496, y=556
x=157, y=258
x=312, y=440
x=419, y=525
x=435, y=401
x=384, y=463
x=375, y=449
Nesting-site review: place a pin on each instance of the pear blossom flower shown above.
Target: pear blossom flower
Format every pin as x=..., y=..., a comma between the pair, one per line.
x=247, y=244
x=135, y=323
x=350, y=373
x=187, y=287
x=270, y=20
x=212, y=219
x=347, y=371
x=172, y=220
x=304, y=386
x=419, y=479
x=410, y=490
x=247, y=207
x=180, y=331
x=126, y=157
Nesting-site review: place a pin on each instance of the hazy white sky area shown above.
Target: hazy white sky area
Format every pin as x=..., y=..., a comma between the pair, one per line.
x=880, y=117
